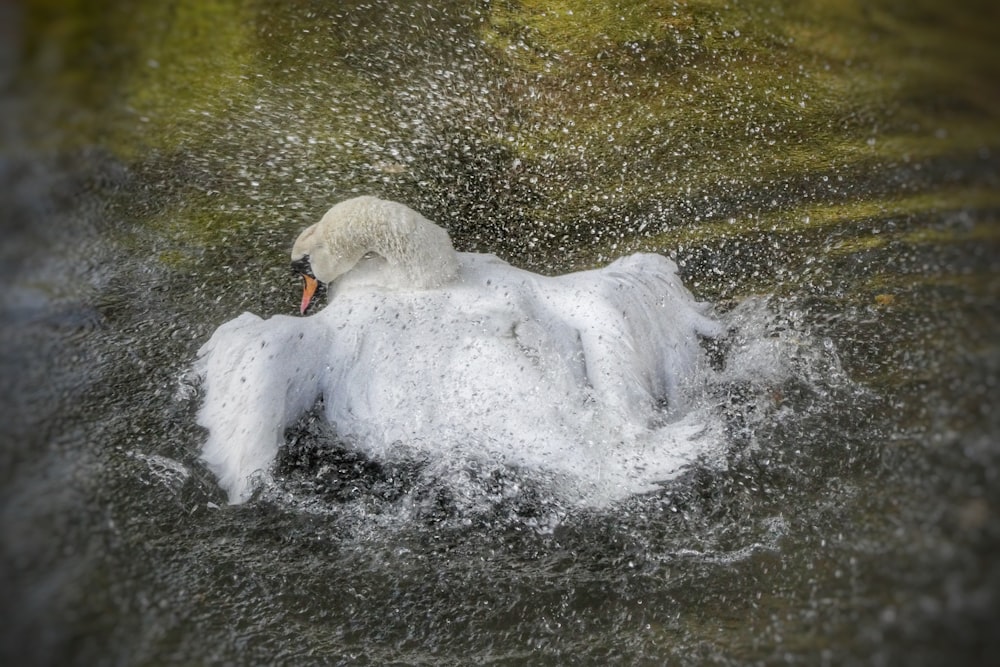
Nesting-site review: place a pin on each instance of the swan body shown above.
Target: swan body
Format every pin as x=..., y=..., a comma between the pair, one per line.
x=458, y=355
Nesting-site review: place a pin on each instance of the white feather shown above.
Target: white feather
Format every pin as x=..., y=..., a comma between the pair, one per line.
x=478, y=359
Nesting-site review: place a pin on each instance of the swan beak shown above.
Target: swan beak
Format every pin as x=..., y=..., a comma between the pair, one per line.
x=308, y=290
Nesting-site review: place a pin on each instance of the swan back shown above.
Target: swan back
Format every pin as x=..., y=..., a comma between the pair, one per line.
x=413, y=247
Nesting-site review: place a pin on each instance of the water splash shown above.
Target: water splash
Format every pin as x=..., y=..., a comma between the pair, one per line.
x=761, y=367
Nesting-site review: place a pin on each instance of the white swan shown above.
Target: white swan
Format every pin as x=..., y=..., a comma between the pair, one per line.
x=459, y=356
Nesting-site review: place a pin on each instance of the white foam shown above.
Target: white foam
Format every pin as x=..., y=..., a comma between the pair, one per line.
x=563, y=378
x=166, y=471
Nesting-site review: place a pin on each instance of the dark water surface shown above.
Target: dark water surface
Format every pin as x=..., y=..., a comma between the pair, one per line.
x=830, y=178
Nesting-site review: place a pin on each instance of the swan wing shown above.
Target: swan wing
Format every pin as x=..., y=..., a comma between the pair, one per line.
x=259, y=376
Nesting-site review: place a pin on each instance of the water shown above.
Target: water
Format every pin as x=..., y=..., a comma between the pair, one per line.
x=828, y=178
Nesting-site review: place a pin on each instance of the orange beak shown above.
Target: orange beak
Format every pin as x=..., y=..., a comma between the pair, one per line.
x=308, y=290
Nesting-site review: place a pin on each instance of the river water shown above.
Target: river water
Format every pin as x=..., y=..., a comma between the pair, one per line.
x=829, y=179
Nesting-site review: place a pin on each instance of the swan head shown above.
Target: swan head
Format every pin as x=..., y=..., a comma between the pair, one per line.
x=319, y=259
x=416, y=248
